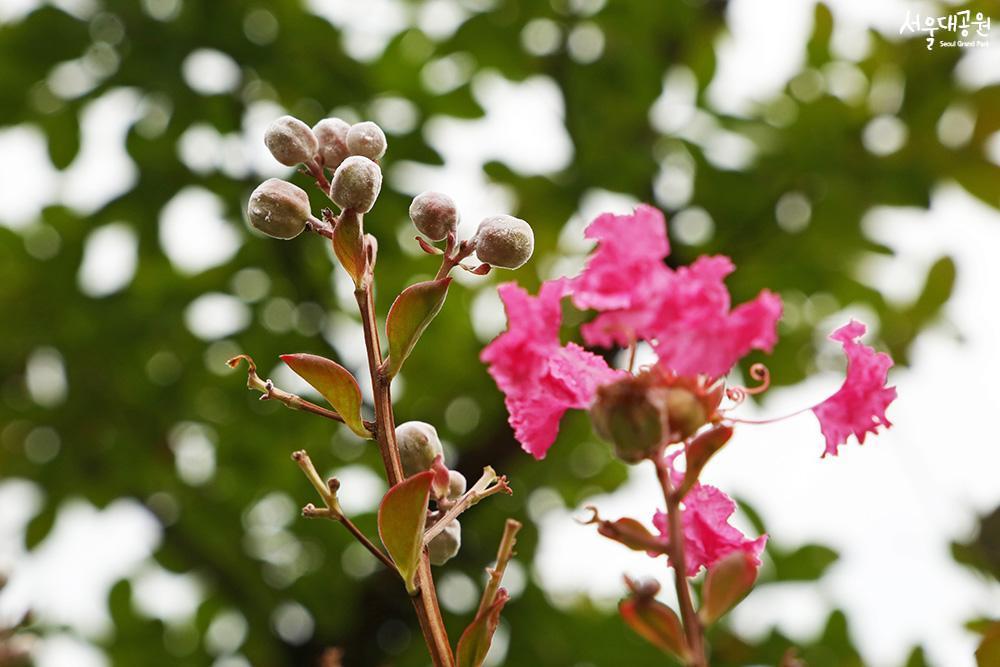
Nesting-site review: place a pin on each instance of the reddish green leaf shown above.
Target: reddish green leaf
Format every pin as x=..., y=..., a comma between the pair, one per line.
x=656, y=623
x=701, y=449
x=349, y=245
x=401, y=517
x=411, y=313
x=335, y=383
x=726, y=583
x=475, y=641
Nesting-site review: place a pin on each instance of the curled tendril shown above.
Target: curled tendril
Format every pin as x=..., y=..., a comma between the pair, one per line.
x=594, y=517
x=759, y=373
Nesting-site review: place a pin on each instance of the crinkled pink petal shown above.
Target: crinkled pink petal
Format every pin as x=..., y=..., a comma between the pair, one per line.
x=629, y=248
x=541, y=378
x=859, y=405
x=708, y=535
x=695, y=330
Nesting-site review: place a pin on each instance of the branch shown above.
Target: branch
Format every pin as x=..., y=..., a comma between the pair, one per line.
x=504, y=554
x=479, y=491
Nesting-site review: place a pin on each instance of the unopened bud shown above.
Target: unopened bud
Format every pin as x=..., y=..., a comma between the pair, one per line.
x=356, y=184
x=332, y=136
x=686, y=413
x=290, y=141
x=457, y=484
x=434, y=215
x=446, y=544
x=627, y=414
x=504, y=241
x=367, y=139
x=418, y=444
x=279, y=209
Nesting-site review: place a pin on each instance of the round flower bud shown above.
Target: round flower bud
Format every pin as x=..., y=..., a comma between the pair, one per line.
x=418, y=444
x=456, y=484
x=686, y=413
x=332, y=136
x=356, y=184
x=290, y=141
x=434, y=215
x=367, y=139
x=629, y=414
x=279, y=209
x=445, y=544
x=504, y=241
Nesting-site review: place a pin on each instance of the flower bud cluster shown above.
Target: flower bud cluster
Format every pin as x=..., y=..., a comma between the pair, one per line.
x=419, y=446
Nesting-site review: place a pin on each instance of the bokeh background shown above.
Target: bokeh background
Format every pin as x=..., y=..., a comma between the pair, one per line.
x=148, y=507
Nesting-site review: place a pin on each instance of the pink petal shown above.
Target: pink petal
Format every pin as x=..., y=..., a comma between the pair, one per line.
x=859, y=405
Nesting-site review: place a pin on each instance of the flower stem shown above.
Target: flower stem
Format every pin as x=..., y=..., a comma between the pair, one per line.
x=504, y=554
x=692, y=626
x=425, y=601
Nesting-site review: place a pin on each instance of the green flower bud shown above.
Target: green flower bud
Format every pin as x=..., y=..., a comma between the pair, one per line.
x=628, y=414
x=367, y=140
x=279, y=209
x=434, y=215
x=457, y=484
x=332, y=136
x=445, y=544
x=504, y=241
x=686, y=413
x=418, y=444
x=290, y=141
x=356, y=184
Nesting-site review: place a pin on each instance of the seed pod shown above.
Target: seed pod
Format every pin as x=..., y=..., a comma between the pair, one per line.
x=332, y=136
x=290, y=141
x=368, y=140
x=629, y=414
x=418, y=444
x=434, y=215
x=356, y=184
x=457, y=484
x=445, y=544
x=279, y=209
x=504, y=241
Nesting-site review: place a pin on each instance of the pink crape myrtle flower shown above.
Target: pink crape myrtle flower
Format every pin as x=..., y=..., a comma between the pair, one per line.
x=684, y=313
x=541, y=378
x=859, y=405
x=708, y=535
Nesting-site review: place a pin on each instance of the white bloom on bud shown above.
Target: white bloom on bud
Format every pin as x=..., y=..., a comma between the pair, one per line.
x=418, y=444
x=356, y=184
x=457, y=484
x=434, y=215
x=368, y=140
x=446, y=544
x=290, y=141
x=504, y=241
x=279, y=209
x=332, y=136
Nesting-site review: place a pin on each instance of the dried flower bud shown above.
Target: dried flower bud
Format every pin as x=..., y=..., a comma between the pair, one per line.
x=356, y=184
x=457, y=484
x=628, y=414
x=279, y=209
x=445, y=544
x=367, y=139
x=434, y=215
x=418, y=444
x=504, y=241
x=332, y=136
x=290, y=141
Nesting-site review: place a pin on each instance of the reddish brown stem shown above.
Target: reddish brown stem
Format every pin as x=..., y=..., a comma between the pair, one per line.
x=425, y=602
x=692, y=626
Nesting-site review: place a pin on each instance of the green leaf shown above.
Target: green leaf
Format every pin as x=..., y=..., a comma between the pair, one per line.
x=727, y=582
x=411, y=313
x=656, y=623
x=349, y=245
x=807, y=563
x=475, y=641
x=335, y=383
x=401, y=517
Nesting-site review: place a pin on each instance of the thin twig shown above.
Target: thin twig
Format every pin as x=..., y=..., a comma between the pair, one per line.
x=504, y=554
x=479, y=491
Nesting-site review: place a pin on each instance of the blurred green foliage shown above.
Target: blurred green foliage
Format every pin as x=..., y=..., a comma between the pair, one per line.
x=135, y=371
